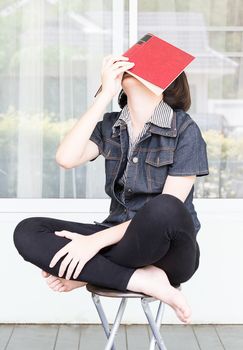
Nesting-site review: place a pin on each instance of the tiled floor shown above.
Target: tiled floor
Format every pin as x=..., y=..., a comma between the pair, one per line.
x=129, y=337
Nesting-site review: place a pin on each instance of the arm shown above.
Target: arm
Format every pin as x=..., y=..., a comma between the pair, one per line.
x=73, y=146
x=111, y=235
x=76, y=148
x=178, y=186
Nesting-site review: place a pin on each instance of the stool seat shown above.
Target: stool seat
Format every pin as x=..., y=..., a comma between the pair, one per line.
x=113, y=293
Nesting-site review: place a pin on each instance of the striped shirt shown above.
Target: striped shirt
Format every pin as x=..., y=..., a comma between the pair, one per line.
x=161, y=116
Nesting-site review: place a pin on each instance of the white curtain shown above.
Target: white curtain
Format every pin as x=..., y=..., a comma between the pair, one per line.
x=55, y=53
x=30, y=100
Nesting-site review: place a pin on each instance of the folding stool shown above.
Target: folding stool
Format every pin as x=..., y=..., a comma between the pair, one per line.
x=154, y=324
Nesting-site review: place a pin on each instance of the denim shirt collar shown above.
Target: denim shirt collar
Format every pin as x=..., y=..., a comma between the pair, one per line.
x=162, y=120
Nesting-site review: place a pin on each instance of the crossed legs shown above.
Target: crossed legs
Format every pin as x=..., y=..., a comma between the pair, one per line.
x=159, y=246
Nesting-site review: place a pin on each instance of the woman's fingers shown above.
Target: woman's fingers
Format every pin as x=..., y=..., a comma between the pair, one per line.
x=66, y=234
x=71, y=268
x=78, y=269
x=121, y=64
x=109, y=60
x=113, y=59
x=64, y=264
x=59, y=255
x=118, y=67
x=111, y=75
x=122, y=69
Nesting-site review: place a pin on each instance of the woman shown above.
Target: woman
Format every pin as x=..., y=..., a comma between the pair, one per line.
x=153, y=152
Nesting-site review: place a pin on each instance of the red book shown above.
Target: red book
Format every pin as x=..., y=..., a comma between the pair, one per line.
x=157, y=62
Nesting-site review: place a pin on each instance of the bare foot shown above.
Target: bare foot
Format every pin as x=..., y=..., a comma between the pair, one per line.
x=58, y=284
x=153, y=281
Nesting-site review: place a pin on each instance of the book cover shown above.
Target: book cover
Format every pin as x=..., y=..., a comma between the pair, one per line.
x=157, y=62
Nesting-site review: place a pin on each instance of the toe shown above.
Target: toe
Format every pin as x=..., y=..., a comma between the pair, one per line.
x=52, y=279
x=45, y=274
x=183, y=314
x=55, y=283
x=57, y=287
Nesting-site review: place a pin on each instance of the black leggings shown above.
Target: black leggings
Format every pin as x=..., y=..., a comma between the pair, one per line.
x=161, y=233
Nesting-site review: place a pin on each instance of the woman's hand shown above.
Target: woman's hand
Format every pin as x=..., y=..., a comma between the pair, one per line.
x=80, y=250
x=112, y=71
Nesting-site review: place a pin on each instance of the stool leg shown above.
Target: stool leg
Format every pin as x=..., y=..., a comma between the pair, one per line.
x=116, y=323
x=110, y=334
x=160, y=313
x=104, y=321
x=154, y=326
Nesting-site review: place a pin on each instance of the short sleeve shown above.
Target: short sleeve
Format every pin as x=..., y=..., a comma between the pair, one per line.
x=97, y=138
x=190, y=155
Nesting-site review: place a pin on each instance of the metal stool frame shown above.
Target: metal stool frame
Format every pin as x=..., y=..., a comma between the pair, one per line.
x=154, y=324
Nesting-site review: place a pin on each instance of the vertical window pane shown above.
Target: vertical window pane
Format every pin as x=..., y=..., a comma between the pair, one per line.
x=50, y=61
x=213, y=32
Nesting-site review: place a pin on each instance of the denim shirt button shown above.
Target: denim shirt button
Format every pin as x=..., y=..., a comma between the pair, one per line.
x=129, y=190
x=135, y=159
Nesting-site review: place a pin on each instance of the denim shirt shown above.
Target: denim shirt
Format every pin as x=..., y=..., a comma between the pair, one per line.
x=178, y=150
x=161, y=116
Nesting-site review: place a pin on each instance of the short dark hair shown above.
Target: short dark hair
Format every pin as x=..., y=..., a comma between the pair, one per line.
x=177, y=95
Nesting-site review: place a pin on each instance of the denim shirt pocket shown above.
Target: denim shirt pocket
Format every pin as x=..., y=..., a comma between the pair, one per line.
x=156, y=162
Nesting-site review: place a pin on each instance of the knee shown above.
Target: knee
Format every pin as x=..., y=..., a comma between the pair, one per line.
x=171, y=211
x=24, y=234
x=178, y=275
x=184, y=271
x=169, y=204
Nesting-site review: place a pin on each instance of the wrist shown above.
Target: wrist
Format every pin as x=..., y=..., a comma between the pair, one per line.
x=110, y=235
x=98, y=240
x=104, y=96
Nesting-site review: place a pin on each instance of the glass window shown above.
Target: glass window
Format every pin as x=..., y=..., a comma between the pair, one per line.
x=213, y=32
x=50, y=61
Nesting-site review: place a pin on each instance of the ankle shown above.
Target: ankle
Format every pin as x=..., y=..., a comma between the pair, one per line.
x=138, y=281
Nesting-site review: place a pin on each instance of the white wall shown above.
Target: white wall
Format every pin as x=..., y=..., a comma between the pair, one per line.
x=214, y=292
